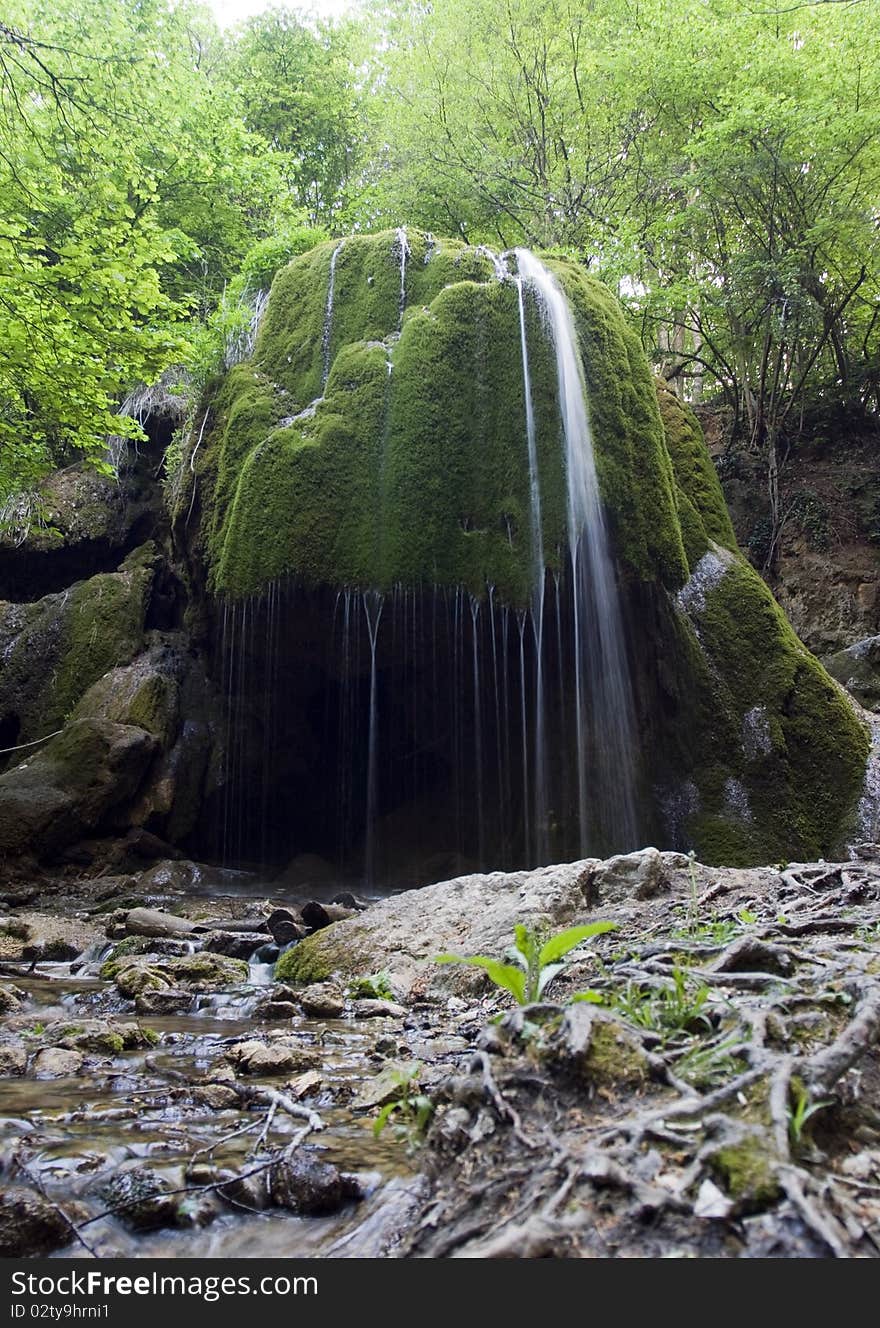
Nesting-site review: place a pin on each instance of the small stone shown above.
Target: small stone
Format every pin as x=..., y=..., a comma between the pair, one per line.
x=57, y=1063
x=322, y=1000
x=305, y=1184
x=30, y=1225
x=258, y=1058
x=153, y=922
x=13, y=1061
x=378, y=1010
x=711, y=1203
x=387, y=1086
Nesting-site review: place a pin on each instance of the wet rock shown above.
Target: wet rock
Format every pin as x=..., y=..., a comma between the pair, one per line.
x=389, y=1085
x=171, y=1000
x=139, y=1199
x=235, y=944
x=135, y=975
x=154, y=922
x=57, y=951
x=57, y=1063
x=304, y=1084
x=305, y=1184
x=207, y=972
x=347, y=900
x=30, y=1225
x=322, y=1000
x=369, y=1009
x=260, y=1058
x=138, y=975
x=13, y=1061
x=177, y=877
x=248, y=1193
x=317, y=915
x=10, y=999
x=276, y=1010
x=285, y=926
x=218, y=1097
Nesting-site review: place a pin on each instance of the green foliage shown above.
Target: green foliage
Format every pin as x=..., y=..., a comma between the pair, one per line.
x=671, y=1008
x=537, y=959
x=373, y=986
x=801, y=1109
x=411, y=1111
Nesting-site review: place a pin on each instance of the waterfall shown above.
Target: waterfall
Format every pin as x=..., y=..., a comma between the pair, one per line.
x=601, y=673
x=403, y=248
x=541, y=846
x=328, y=317
x=396, y=729
x=373, y=603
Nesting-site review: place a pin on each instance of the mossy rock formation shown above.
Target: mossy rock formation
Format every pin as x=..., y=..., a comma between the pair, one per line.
x=377, y=438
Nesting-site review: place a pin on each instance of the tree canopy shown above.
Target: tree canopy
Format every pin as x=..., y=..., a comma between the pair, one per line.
x=717, y=165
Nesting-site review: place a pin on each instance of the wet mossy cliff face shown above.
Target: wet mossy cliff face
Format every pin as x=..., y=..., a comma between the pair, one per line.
x=377, y=438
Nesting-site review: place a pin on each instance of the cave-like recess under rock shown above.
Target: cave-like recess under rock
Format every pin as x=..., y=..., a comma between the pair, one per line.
x=376, y=442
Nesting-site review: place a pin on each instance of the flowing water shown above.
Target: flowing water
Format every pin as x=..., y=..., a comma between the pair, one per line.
x=327, y=332
x=418, y=732
x=601, y=672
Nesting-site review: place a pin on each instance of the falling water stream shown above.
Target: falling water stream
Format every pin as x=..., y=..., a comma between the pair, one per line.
x=506, y=732
x=600, y=662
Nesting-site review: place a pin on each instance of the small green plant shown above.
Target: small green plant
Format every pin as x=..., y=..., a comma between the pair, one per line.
x=679, y=1006
x=372, y=986
x=708, y=1066
x=410, y=1114
x=536, y=960
x=800, y=1110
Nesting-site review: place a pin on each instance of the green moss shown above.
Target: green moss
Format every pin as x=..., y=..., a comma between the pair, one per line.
x=748, y=1173
x=774, y=747
x=411, y=465
x=614, y=1057
x=319, y=956
x=702, y=510
x=57, y=648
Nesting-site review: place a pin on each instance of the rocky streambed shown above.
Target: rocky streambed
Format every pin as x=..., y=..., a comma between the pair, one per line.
x=198, y=1068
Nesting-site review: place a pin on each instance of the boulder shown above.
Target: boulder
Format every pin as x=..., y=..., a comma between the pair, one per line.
x=13, y=1061
x=857, y=668
x=30, y=1225
x=260, y=1058
x=322, y=1000
x=155, y=922
x=71, y=787
x=628, y=876
x=57, y=1063
x=305, y=1184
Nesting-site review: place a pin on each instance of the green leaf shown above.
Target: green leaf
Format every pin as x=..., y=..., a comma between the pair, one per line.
x=564, y=941
x=503, y=975
x=591, y=996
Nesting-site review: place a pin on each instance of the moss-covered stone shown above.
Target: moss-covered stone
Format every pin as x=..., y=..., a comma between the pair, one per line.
x=747, y=1169
x=776, y=752
x=386, y=445
x=702, y=511
x=410, y=464
x=316, y=958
